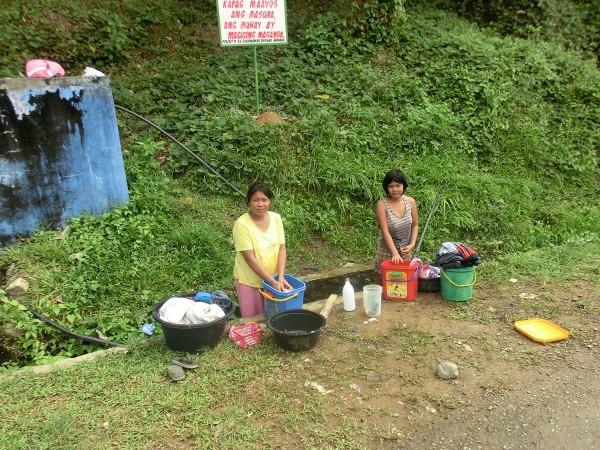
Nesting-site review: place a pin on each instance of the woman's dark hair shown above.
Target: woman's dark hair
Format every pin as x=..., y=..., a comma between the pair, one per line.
x=394, y=175
x=259, y=186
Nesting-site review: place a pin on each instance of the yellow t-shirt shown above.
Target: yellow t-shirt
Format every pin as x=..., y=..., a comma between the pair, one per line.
x=247, y=236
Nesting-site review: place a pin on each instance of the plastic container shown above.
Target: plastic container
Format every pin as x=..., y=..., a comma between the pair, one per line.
x=372, y=299
x=429, y=284
x=192, y=338
x=348, y=296
x=246, y=335
x=297, y=329
x=275, y=301
x=400, y=281
x=457, y=283
x=541, y=330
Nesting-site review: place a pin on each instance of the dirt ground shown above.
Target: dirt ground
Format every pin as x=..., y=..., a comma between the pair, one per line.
x=511, y=392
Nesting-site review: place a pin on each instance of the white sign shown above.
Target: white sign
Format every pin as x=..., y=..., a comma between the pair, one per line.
x=252, y=22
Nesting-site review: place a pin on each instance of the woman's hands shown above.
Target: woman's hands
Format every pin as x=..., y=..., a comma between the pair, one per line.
x=405, y=251
x=281, y=286
x=396, y=258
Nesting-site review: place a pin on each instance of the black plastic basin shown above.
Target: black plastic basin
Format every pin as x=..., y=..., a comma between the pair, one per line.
x=429, y=285
x=296, y=330
x=192, y=338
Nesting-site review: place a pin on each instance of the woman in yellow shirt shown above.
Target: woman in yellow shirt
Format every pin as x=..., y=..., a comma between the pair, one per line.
x=260, y=250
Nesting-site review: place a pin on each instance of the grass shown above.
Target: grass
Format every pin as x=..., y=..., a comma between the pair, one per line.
x=123, y=395
x=563, y=262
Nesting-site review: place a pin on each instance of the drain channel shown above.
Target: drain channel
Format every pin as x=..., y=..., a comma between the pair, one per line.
x=321, y=288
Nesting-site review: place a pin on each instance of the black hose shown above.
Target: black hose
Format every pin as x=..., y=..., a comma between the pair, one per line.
x=67, y=331
x=431, y=211
x=205, y=164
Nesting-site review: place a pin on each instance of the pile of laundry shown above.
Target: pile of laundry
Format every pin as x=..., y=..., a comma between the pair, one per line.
x=204, y=307
x=429, y=271
x=454, y=255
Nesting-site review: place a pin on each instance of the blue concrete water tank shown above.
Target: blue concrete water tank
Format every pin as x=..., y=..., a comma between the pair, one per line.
x=60, y=154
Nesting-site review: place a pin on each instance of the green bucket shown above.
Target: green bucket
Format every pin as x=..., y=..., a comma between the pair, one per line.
x=457, y=284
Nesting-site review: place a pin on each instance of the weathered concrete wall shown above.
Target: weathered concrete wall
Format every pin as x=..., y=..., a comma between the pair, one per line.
x=60, y=154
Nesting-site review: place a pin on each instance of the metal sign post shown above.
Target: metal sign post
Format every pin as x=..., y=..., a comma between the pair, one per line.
x=256, y=81
x=252, y=22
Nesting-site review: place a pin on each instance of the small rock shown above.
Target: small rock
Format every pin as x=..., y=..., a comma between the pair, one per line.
x=375, y=378
x=447, y=370
x=17, y=287
x=11, y=331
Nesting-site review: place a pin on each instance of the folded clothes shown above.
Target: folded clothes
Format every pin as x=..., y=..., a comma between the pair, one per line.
x=456, y=255
x=220, y=298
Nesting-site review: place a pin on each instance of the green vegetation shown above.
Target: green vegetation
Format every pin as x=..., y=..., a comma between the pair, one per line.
x=508, y=125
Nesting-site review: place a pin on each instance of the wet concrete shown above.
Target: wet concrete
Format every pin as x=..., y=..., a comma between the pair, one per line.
x=322, y=285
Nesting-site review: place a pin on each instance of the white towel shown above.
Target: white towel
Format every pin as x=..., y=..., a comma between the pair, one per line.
x=174, y=309
x=201, y=312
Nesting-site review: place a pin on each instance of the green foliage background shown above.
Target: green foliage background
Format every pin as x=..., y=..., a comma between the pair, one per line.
x=503, y=118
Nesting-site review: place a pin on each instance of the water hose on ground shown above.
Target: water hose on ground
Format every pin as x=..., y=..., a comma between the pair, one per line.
x=196, y=157
x=83, y=337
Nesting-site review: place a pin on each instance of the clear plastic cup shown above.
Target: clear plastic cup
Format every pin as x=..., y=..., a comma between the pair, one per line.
x=372, y=299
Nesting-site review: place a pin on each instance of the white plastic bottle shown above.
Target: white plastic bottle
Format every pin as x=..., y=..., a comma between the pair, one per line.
x=348, y=295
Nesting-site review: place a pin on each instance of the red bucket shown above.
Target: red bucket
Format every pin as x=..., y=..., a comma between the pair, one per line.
x=400, y=281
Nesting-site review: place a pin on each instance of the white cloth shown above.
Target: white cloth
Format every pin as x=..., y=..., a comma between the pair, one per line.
x=91, y=72
x=201, y=312
x=185, y=311
x=174, y=309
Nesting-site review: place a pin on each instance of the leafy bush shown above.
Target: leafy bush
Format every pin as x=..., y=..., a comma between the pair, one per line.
x=378, y=21
x=574, y=24
x=70, y=33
